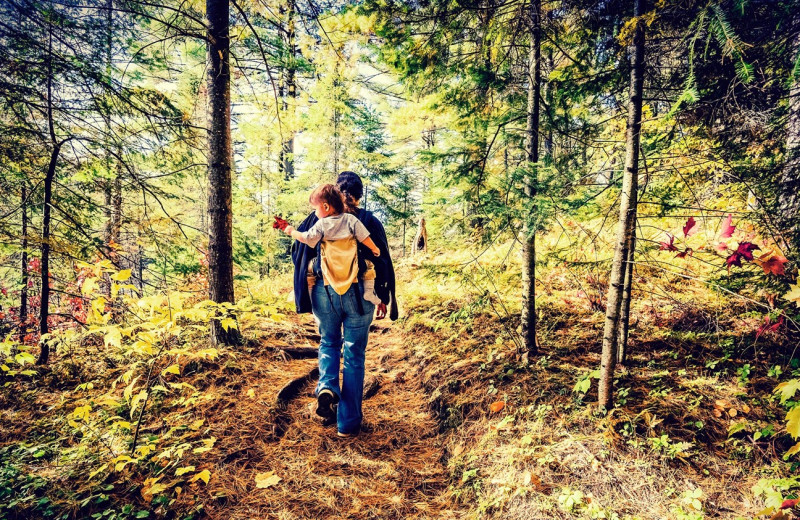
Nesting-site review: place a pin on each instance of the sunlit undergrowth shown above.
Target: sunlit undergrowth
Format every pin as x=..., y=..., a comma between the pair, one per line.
x=115, y=428
x=697, y=431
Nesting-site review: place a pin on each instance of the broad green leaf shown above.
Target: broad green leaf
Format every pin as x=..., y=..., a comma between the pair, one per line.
x=24, y=358
x=788, y=389
x=793, y=422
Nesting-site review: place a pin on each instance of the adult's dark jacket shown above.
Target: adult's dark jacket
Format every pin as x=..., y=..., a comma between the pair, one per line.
x=384, y=270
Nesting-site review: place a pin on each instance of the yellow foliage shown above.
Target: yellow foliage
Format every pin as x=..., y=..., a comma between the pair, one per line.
x=267, y=479
x=172, y=369
x=204, y=475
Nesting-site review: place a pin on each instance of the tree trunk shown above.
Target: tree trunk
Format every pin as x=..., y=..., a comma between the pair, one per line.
x=289, y=93
x=44, y=312
x=625, y=308
x=789, y=189
x=44, y=306
x=23, y=293
x=528, y=318
x=220, y=159
x=627, y=216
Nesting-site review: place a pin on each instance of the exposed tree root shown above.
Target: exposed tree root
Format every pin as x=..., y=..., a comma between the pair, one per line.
x=292, y=389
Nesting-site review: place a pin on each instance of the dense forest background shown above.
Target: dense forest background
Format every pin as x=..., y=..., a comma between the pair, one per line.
x=603, y=322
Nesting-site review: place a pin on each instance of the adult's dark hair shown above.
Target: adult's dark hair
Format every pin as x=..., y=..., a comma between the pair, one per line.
x=353, y=189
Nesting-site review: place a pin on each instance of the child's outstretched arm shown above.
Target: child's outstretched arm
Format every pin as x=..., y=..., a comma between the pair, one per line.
x=310, y=238
x=370, y=244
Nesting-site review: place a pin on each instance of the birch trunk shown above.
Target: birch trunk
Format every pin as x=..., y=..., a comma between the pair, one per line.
x=627, y=216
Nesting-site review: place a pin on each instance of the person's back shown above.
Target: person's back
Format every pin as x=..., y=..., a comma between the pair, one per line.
x=339, y=235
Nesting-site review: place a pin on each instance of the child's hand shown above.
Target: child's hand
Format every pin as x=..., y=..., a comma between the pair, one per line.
x=279, y=223
x=288, y=229
x=376, y=252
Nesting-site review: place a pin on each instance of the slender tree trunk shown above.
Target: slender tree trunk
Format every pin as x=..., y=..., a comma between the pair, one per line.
x=23, y=293
x=44, y=311
x=789, y=189
x=532, y=155
x=627, y=216
x=44, y=308
x=289, y=96
x=625, y=308
x=220, y=159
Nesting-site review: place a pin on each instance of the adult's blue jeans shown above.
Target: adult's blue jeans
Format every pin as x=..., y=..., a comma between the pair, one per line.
x=344, y=332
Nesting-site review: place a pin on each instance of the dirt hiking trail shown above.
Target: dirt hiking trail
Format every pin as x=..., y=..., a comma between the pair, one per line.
x=264, y=422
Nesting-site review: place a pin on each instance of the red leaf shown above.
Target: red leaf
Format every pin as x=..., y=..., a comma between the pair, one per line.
x=769, y=325
x=668, y=246
x=727, y=228
x=682, y=254
x=722, y=246
x=744, y=251
x=788, y=504
x=691, y=227
x=279, y=223
x=775, y=326
x=773, y=264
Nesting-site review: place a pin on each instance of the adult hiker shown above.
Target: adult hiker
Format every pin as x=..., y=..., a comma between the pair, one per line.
x=343, y=314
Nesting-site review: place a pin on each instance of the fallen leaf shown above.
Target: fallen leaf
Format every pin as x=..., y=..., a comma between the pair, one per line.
x=183, y=471
x=497, y=406
x=794, y=294
x=687, y=251
x=267, y=479
x=204, y=475
x=727, y=227
x=691, y=227
x=773, y=264
x=732, y=412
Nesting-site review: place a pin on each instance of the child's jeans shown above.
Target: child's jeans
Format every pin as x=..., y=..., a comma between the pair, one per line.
x=344, y=332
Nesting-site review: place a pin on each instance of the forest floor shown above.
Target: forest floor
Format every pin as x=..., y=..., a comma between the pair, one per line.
x=458, y=426
x=394, y=469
